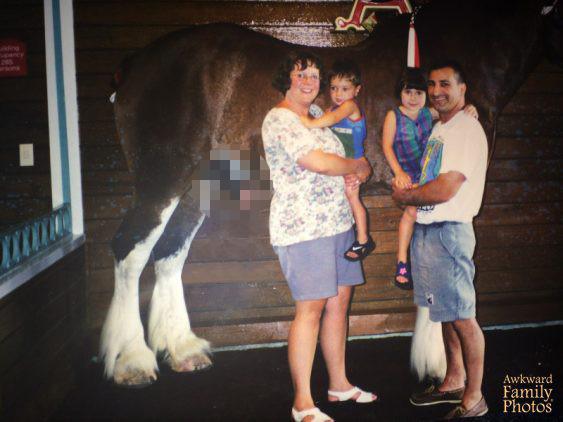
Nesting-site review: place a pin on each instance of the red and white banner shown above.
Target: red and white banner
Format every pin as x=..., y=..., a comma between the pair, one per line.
x=13, y=58
x=413, y=58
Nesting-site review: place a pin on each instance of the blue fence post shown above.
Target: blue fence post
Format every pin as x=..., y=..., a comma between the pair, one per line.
x=5, y=252
x=44, y=231
x=26, y=250
x=35, y=236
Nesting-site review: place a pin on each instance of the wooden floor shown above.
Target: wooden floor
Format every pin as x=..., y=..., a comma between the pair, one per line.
x=254, y=385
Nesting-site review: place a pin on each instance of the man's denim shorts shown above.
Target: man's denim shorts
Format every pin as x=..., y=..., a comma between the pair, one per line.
x=443, y=270
x=315, y=268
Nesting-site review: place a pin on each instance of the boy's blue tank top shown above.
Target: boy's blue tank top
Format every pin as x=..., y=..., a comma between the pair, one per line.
x=352, y=134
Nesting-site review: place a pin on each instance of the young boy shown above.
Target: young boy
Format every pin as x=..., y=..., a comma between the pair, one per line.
x=348, y=123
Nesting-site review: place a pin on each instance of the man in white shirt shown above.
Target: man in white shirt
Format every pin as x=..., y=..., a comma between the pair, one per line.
x=448, y=197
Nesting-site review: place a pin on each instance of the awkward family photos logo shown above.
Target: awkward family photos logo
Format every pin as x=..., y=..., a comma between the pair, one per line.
x=527, y=394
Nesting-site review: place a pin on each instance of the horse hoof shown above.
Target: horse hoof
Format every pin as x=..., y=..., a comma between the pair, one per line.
x=195, y=363
x=135, y=380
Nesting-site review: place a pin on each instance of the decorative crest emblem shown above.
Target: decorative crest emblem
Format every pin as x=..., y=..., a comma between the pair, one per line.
x=356, y=20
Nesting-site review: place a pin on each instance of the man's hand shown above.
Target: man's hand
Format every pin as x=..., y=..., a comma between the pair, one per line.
x=400, y=195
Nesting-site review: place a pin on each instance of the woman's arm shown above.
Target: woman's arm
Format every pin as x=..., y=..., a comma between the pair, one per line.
x=348, y=108
x=300, y=145
x=402, y=179
x=330, y=164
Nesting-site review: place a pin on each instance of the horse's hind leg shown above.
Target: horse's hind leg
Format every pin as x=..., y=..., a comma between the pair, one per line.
x=169, y=325
x=127, y=358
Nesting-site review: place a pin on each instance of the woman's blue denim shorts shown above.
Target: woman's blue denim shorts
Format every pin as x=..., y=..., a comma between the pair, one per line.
x=315, y=268
x=443, y=269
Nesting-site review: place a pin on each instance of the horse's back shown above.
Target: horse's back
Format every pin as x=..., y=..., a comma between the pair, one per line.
x=192, y=90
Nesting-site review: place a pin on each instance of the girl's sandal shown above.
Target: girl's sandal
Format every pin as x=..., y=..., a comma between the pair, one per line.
x=360, y=249
x=403, y=270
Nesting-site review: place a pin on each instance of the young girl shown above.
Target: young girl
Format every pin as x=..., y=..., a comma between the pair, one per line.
x=348, y=123
x=405, y=132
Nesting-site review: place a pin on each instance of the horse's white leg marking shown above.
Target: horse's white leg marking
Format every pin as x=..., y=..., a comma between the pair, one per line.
x=169, y=324
x=428, y=356
x=122, y=344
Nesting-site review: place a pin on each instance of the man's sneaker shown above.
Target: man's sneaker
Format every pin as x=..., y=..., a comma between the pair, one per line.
x=461, y=412
x=432, y=396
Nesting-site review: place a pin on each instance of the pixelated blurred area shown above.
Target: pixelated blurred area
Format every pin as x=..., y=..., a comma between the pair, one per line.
x=233, y=185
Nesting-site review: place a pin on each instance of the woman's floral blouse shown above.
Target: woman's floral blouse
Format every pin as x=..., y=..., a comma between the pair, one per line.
x=305, y=205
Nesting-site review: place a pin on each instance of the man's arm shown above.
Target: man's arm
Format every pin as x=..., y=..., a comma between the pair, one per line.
x=439, y=190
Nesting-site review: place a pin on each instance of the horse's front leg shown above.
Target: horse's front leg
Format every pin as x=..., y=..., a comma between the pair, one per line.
x=127, y=358
x=169, y=325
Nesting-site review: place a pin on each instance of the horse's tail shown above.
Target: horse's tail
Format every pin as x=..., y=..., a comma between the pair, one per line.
x=428, y=356
x=119, y=77
x=121, y=73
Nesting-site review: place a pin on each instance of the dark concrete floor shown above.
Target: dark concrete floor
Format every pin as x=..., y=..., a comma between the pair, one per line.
x=254, y=385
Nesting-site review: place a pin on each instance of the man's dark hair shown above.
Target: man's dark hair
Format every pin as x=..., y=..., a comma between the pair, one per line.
x=346, y=69
x=302, y=59
x=411, y=78
x=452, y=64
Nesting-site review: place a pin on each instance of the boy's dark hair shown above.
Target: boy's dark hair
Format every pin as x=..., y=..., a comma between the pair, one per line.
x=411, y=78
x=303, y=59
x=346, y=69
x=454, y=65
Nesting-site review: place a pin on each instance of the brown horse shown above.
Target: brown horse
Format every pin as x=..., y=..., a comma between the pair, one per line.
x=208, y=88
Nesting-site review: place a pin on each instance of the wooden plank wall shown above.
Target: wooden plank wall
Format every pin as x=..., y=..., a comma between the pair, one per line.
x=42, y=327
x=241, y=282
x=236, y=294
x=25, y=192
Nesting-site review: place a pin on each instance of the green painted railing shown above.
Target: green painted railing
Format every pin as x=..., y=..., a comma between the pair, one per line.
x=25, y=240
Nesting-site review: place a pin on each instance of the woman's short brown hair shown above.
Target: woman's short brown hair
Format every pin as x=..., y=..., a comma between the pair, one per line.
x=302, y=59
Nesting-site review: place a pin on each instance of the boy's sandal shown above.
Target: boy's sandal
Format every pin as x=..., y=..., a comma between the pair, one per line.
x=360, y=249
x=363, y=397
x=315, y=412
x=403, y=270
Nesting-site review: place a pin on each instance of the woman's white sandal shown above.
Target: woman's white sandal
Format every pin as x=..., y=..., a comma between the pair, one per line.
x=315, y=412
x=364, y=397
